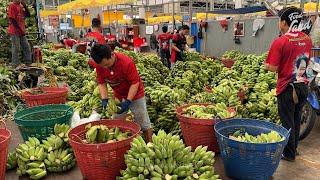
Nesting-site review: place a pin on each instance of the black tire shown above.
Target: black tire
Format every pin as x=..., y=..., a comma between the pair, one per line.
x=308, y=119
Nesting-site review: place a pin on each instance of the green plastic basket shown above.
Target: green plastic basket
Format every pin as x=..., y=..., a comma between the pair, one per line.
x=39, y=121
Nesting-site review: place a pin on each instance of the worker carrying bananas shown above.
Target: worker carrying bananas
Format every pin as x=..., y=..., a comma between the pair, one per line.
x=289, y=56
x=17, y=12
x=120, y=72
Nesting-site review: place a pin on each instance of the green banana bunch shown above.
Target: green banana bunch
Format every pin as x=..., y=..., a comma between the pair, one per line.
x=36, y=170
x=62, y=130
x=30, y=151
x=113, y=106
x=167, y=158
x=52, y=142
x=219, y=110
x=271, y=137
x=102, y=134
x=232, y=54
x=59, y=160
x=166, y=120
x=12, y=160
x=161, y=95
x=29, y=159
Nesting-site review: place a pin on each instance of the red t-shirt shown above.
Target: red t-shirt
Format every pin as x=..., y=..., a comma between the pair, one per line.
x=120, y=77
x=164, y=40
x=17, y=12
x=290, y=53
x=96, y=36
x=137, y=41
x=69, y=42
x=111, y=37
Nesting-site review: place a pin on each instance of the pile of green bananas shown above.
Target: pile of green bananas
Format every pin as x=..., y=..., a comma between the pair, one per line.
x=263, y=106
x=232, y=54
x=12, y=160
x=59, y=157
x=102, y=134
x=271, y=137
x=226, y=92
x=192, y=56
x=30, y=159
x=225, y=73
x=63, y=58
x=92, y=101
x=219, y=110
x=71, y=68
x=166, y=119
x=167, y=158
x=203, y=97
x=161, y=95
x=8, y=90
x=35, y=158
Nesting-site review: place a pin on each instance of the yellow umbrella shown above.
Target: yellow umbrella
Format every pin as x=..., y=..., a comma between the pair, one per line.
x=66, y=7
x=46, y=13
x=310, y=7
x=82, y=4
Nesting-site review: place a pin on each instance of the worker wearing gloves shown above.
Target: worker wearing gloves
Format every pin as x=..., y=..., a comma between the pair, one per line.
x=289, y=56
x=120, y=72
x=17, y=12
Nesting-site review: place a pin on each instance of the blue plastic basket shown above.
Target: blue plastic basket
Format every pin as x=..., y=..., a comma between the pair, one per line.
x=247, y=160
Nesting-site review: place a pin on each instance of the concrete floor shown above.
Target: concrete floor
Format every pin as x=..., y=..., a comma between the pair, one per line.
x=306, y=167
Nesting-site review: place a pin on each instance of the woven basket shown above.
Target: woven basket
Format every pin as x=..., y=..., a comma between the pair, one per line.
x=198, y=132
x=248, y=160
x=227, y=62
x=52, y=95
x=39, y=121
x=5, y=135
x=104, y=160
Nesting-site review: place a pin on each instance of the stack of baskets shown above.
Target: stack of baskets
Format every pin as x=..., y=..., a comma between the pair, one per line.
x=43, y=111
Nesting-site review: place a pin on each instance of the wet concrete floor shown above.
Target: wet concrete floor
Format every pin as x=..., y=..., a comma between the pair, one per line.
x=306, y=166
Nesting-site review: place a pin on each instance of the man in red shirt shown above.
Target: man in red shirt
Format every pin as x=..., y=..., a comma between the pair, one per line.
x=164, y=43
x=95, y=37
x=120, y=72
x=68, y=42
x=17, y=12
x=179, y=44
x=289, y=56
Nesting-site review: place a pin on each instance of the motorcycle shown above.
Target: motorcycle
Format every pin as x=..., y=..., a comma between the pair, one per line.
x=311, y=109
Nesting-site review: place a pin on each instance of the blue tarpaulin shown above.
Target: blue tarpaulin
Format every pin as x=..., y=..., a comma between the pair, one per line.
x=245, y=10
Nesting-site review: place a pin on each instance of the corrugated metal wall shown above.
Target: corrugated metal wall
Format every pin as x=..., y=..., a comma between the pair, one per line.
x=218, y=41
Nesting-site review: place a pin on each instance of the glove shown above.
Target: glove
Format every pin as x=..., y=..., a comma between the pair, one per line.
x=104, y=103
x=124, y=106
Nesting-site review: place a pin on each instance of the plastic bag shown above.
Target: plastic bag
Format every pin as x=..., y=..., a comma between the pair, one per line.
x=76, y=119
x=315, y=33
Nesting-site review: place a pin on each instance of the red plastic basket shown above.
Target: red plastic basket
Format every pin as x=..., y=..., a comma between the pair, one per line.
x=198, y=132
x=227, y=62
x=5, y=135
x=102, y=161
x=52, y=95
